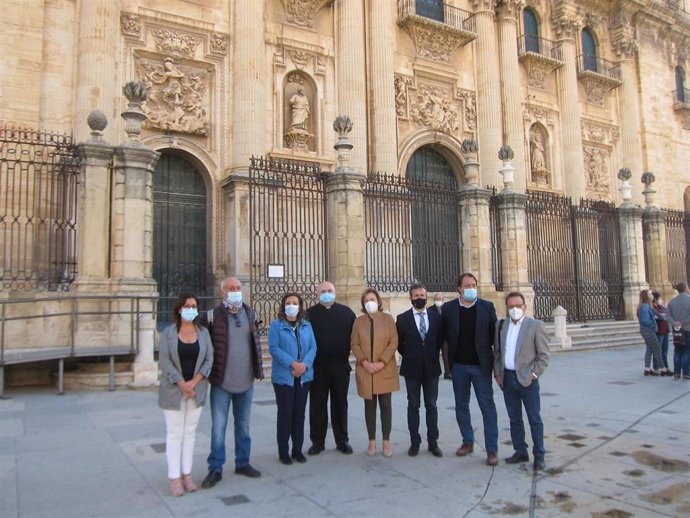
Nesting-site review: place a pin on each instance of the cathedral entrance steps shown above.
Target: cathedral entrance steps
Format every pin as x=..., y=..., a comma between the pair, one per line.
x=599, y=335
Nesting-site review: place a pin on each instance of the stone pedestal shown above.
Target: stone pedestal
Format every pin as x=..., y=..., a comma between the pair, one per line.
x=475, y=239
x=560, y=328
x=145, y=368
x=512, y=229
x=656, y=249
x=632, y=256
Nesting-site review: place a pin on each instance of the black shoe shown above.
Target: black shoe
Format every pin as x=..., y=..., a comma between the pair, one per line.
x=285, y=460
x=435, y=450
x=518, y=458
x=344, y=448
x=315, y=449
x=211, y=479
x=248, y=471
x=447, y=376
x=414, y=450
x=539, y=464
x=299, y=457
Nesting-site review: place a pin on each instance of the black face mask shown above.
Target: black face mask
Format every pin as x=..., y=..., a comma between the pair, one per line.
x=419, y=303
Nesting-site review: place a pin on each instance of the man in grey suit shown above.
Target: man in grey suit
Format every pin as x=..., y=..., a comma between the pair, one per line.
x=522, y=354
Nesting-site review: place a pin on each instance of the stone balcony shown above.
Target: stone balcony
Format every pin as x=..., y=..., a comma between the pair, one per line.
x=540, y=57
x=437, y=31
x=598, y=76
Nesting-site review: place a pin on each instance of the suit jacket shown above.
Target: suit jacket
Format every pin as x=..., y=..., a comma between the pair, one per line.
x=169, y=394
x=485, y=330
x=434, y=309
x=419, y=357
x=531, y=351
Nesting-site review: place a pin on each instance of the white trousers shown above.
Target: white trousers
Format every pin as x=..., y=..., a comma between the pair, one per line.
x=180, y=435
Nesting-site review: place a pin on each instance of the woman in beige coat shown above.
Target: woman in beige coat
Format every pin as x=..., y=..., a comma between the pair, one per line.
x=374, y=342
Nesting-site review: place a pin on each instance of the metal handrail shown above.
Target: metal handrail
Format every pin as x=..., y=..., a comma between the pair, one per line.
x=452, y=16
x=542, y=46
x=597, y=65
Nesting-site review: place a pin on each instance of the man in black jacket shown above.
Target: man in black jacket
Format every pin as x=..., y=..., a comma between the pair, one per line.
x=419, y=343
x=332, y=326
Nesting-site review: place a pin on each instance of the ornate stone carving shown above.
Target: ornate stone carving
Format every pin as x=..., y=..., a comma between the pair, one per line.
x=320, y=65
x=537, y=156
x=301, y=12
x=178, y=98
x=175, y=43
x=599, y=133
x=566, y=24
x=131, y=25
x=434, y=40
x=597, y=86
x=539, y=114
x=300, y=57
x=469, y=107
x=401, y=85
x=598, y=173
x=509, y=8
x=433, y=106
x=295, y=77
x=625, y=46
x=218, y=44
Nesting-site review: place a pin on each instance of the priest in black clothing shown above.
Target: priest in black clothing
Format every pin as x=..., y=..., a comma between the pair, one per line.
x=332, y=326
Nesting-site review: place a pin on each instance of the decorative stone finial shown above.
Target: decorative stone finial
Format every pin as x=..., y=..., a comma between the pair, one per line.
x=342, y=125
x=136, y=93
x=649, y=192
x=648, y=178
x=505, y=154
x=469, y=146
x=97, y=121
x=624, y=174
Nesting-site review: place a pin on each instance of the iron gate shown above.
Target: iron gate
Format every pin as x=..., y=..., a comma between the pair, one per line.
x=39, y=177
x=288, y=238
x=574, y=257
x=677, y=242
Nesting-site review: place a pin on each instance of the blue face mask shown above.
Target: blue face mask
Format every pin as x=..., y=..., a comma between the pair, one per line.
x=469, y=294
x=189, y=314
x=291, y=310
x=327, y=298
x=234, y=298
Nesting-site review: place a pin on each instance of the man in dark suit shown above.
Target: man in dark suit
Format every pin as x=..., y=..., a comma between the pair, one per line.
x=437, y=308
x=419, y=342
x=522, y=354
x=469, y=324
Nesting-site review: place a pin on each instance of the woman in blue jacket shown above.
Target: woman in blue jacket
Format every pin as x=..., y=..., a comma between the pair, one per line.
x=293, y=349
x=648, y=328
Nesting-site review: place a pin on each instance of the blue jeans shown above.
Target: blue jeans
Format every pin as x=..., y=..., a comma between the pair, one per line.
x=241, y=411
x=515, y=396
x=464, y=377
x=681, y=357
x=663, y=344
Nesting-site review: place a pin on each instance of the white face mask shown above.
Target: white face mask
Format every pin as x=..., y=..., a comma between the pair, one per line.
x=438, y=303
x=234, y=298
x=371, y=306
x=516, y=313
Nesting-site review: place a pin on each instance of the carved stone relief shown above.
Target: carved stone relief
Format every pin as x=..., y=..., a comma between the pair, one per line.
x=178, y=95
x=595, y=89
x=538, y=114
x=175, y=43
x=598, y=172
x=301, y=12
x=538, y=73
x=301, y=59
x=218, y=44
x=131, y=25
x=469, y=107
x=599, y=133
x=434, y=43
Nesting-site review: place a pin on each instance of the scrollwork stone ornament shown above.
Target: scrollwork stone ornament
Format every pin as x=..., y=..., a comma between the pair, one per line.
x=218, y=44
x=175, y=43
x=131, y=25
x=302, y=12
x=401, y=83
x=469, y=106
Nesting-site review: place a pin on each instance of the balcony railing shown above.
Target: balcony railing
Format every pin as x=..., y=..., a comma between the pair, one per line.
x=442, y=13
x=681, y=97
x=542, y=46
x=591, y=63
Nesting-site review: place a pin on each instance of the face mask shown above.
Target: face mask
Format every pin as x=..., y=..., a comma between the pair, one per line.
x=291, y=310
x=234, y=298
x=371, y=306
x=516, y=313
x=469, y=294
x=327, y=298
x=419, y=303
x=189, y=314
x=438, y=303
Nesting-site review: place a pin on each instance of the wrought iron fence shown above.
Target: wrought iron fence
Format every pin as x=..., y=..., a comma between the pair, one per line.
x=412, y=233
x=440, y=12
x=677, y=239
x=574, y=257
x=542, y=46
x=39, y=177
x=495, y=229
x=288, y=233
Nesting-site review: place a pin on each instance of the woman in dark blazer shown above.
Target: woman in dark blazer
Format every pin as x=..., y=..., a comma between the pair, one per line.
x=293, y=349
x=185, y=357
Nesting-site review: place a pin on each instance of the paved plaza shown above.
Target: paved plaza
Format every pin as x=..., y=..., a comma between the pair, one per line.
x=618, y=446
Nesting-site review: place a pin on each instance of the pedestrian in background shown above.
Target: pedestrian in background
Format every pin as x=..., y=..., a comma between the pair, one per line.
x=648, y=328
x=662, y=331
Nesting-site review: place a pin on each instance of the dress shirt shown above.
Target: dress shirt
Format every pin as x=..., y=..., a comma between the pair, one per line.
x=511, y=343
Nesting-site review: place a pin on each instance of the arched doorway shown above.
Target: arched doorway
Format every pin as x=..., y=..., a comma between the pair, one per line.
x=180, y=251
x=435, y=220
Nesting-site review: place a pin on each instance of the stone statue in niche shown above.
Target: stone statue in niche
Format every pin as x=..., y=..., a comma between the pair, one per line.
x=299, y=104
x=540, y=174
x=298, y=115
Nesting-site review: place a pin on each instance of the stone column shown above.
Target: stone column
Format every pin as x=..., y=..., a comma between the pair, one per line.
x=656, y=250
x=512, y=231
x=632, y=256
x=93, y=238
x=489, y=117
x=97, y=54
x=384, y=153
x=346, y=240
x=476, y=241
x=567, y=27
x=352, y=91
x=251, y=102
x=145, y=368
x=513, y=127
